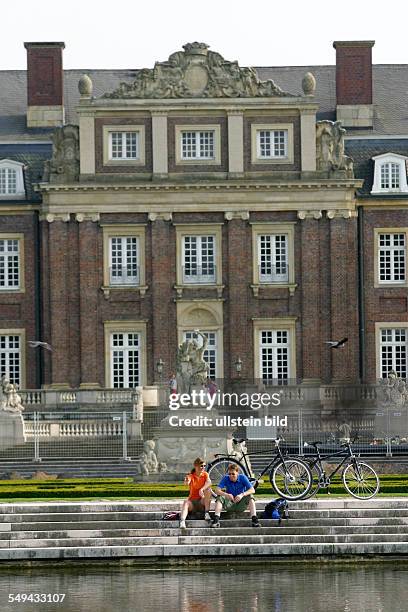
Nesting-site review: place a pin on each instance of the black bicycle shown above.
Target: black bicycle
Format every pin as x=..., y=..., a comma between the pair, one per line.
x=290, y=477
x=359, y=479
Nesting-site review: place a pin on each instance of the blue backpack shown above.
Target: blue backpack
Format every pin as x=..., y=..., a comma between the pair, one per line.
x=276, y=509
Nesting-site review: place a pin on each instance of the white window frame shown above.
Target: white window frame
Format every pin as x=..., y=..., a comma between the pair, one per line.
x=130, y=260
x=393, y=344
x=124, y=231
x=274, y=326
x=256, y=153
x=377, y=254
x=125, y=327
x=17, y=167
x=274, y=240
x=202, y=242
x=186, y=229
x=273, y=229
x=211, y=348
x=397, y=255
x=108, y=130
x=20, y=288
x=5, y=356
x=197, y=128
x=390, y=158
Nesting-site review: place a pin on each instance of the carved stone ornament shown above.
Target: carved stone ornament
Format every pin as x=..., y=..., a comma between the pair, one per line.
x=330, y=156
x=309, y=84
x=393, y=390
x=85, y=86
x=63, y=167
x=197, y=72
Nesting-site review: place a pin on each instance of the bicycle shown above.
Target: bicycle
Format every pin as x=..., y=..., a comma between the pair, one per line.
x=291, y=478
x=359, y=479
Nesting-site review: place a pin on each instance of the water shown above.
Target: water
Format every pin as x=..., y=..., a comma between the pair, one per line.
x=308, y=587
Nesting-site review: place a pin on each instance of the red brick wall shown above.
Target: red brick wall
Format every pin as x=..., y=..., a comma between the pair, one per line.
x=388, y=304
x=354, y=75
x=17, y=310
x=44, y=75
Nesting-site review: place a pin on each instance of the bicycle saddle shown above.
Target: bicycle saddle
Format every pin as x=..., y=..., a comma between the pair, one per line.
x=315, y=444
x=238, y=441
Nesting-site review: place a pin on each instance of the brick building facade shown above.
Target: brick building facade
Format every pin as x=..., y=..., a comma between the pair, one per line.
x=202, y=195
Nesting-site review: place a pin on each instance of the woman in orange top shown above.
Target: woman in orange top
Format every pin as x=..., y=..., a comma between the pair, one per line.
x=200, y=492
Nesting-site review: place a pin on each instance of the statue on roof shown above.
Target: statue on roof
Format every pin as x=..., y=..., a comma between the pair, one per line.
x=197, y=72
x=330, y=154
x=63, y=167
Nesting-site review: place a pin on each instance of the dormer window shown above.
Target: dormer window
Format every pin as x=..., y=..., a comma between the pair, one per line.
x=11, y=179
x=390, y=174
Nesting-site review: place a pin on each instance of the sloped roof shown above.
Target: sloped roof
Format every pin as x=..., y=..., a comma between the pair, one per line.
x=390, y=88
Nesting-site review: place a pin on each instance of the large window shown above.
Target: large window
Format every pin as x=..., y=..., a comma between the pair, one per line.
x=275, y=350
x=274, y=355
x=9, y=263
x=273, y=258
x=393, y=351
x=390, y=173
x=391, y=257
x=125, y=359
x=10, y=357
x=210, y=354
x=123, y=260
x=199, y=259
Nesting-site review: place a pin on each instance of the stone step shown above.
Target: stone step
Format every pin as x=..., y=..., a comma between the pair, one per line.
x=161, y=506
x=231, y=523
x=239, y=550
x=304, y=515
x=268, y=528
x=256, y=538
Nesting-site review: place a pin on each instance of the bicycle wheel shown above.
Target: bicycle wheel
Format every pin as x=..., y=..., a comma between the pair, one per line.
x=291, y=479
x=360, y=480
x=316, y=480
x=218, y=468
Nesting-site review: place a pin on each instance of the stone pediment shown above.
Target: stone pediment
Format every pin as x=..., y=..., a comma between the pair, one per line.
x=197, y=72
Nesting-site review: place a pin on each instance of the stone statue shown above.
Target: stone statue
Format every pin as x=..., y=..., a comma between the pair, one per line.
x=197, y=72
x=148, y=459
x=63, y=167
x=192, y=369
x=239, y=449
x=330, y=156
x=393, y=390
x=345, y=430
x=10, y=401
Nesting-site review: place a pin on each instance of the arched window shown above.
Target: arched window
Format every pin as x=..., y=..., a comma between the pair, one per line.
x=11, y=179
x=390, y=174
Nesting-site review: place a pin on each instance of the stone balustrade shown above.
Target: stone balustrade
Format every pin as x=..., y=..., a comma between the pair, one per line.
x=73, y=429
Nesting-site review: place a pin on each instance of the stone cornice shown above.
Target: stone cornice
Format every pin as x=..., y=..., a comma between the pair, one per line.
x=203, y=186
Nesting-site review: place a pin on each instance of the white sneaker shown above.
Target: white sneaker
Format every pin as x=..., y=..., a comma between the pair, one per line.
x=207, y=517
x=182, y=524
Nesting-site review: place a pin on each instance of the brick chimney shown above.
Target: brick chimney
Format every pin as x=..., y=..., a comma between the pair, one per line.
x=354, y=87
x=45, y=88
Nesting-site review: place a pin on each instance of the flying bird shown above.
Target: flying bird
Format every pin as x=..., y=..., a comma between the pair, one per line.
x=337, y=343
x=38, y=344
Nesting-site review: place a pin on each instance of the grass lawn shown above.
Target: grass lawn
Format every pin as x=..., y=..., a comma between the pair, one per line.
x=88, y=489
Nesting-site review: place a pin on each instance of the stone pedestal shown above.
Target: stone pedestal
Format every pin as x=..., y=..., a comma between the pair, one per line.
x=178, y=446
x=12, y=430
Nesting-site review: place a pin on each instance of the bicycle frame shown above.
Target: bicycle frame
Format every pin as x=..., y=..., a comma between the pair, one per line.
x=279, y=457
x=347, y=453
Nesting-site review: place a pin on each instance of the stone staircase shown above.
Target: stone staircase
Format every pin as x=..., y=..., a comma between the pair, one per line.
x=112, y=530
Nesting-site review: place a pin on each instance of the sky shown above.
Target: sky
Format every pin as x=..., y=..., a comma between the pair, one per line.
x=132, y=34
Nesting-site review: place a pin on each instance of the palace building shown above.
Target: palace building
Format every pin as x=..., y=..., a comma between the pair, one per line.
x=265, y=207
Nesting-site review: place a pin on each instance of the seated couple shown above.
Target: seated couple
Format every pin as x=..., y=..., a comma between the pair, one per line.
x=234, y=494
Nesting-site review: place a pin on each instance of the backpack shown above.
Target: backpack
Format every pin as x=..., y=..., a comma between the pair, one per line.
x=276, y=509
x=171, y=516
